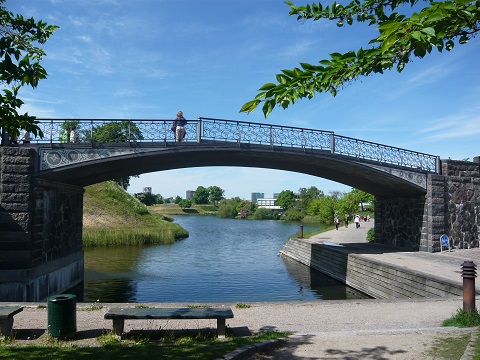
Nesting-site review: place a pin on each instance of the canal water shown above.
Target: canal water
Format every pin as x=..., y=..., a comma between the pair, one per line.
x=223, y=260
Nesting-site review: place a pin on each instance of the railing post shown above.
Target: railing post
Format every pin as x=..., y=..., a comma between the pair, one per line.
x=199, y=130
x=51, y=132
x=239, y=132
x=271, y=135
x=91, y=131
x=438, y=165
x=332, y=143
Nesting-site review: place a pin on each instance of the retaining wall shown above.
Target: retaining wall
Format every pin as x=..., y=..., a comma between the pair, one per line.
x=373, y=278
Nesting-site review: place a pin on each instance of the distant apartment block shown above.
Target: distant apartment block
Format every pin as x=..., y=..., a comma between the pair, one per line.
x=268, y=204
x=256, y=196
x=190, y=194
x=147, y=190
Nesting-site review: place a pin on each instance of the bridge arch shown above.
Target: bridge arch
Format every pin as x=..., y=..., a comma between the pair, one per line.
x=369, y=177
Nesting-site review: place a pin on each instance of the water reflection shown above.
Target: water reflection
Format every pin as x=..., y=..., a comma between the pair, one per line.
x=324, y=286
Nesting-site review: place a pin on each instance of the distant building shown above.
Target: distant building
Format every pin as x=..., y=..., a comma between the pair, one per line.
x=275, y=195
x=190, y=194
x=147, y=190
x=266, y=203
x=256, y=196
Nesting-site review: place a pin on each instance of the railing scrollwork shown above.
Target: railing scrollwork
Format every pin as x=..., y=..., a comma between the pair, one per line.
x=158, y=132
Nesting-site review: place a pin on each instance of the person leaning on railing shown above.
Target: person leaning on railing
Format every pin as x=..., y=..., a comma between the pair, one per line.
x=179, y=127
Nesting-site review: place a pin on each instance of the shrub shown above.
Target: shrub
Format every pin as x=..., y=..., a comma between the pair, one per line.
x=371, y=235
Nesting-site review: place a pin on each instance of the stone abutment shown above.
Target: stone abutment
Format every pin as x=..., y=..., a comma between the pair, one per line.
x=40, y=230
x=451, y=206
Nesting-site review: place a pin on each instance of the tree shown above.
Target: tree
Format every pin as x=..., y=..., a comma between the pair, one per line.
x=121, y=131
x=185, y=204
x=307, y=195
x=149, y=199
x=401, y=36
x=361, y=198
x=227, y=209
x=286, y=199
x=20, y=65
x=201, y=195
x=216, y=194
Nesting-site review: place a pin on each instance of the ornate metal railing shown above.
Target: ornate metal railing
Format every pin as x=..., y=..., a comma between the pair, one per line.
x=159, y=131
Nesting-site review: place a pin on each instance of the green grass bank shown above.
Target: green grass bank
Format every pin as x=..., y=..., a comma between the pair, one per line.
x=111, y=216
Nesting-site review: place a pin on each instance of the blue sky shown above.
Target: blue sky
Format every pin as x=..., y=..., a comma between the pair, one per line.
x=147, y=59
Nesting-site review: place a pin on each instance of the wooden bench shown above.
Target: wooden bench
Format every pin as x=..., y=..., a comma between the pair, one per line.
x=6, y=319
x=119, y=315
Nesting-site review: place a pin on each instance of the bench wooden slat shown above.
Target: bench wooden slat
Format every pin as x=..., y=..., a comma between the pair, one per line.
x=7, y=311
x=169, y=313
x=119, y=315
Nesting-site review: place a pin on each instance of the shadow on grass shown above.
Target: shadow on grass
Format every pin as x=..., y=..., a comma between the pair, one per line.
x=141, y=344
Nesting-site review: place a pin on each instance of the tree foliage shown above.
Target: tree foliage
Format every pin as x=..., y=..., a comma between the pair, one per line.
x=149, y=199
x=405, y=30
x=286, y=199
x=201, y=195
x=215, y=194
x=185, y=204
x=20, y=65
x=121, y=131
x=228, y=209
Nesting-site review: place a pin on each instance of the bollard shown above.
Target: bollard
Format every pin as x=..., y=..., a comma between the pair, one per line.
x=469, y=274
x=301, y=231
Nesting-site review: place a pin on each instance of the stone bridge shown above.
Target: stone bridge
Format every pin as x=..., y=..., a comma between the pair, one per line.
x=417, y=197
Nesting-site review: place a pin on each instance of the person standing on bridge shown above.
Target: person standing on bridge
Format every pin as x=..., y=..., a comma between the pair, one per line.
x=26, y=137
x=179, y=124
x=73, y=135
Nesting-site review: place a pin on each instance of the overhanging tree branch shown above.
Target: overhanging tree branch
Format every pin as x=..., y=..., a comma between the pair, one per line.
x=438, y=25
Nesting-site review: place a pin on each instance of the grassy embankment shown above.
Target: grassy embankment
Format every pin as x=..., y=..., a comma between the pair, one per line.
x=111, y=216
x=174, y=209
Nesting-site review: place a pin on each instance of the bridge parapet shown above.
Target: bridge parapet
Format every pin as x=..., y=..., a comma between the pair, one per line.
x=95, y=132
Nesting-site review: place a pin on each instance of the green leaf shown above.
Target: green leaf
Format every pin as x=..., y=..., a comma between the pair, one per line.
x=417, y=35
x=429, y=31
x=249, y=106
x=267, y=86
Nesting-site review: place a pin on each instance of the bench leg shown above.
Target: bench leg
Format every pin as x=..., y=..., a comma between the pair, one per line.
x=6, y=326
x=118, y=325
x=221, y=328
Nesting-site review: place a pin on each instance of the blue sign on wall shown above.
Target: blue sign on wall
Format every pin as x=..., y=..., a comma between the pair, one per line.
x=444, y=241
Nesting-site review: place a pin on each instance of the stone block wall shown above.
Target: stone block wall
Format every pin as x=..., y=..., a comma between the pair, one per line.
x=398, y=221
x=462, y=201
x=451, y=206
x=40, y=230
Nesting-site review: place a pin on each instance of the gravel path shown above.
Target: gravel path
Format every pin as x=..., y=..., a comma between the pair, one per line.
x=350, y=329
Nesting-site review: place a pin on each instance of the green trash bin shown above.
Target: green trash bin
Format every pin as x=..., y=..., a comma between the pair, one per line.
x=62, y=315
